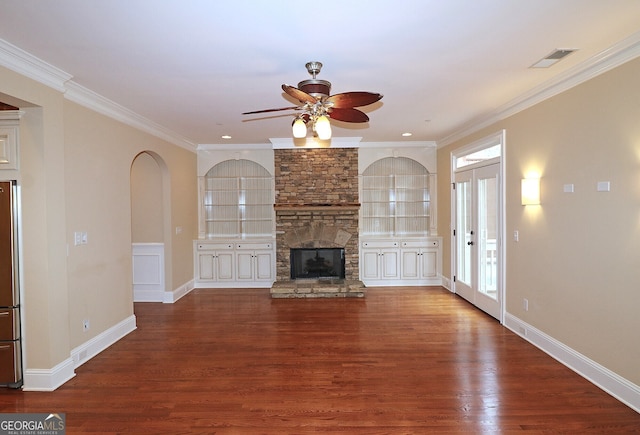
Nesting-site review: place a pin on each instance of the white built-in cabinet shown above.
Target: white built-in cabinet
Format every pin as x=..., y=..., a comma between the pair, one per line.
x=234, y=264
x=214, y=262
x=408, y=261
x=379, y=260
x=420, y=260
x=254, y=262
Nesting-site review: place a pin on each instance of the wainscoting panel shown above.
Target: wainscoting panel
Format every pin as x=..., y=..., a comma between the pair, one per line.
x=148, y=272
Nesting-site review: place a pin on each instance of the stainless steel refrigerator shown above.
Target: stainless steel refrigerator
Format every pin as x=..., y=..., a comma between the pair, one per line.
x=10, y=338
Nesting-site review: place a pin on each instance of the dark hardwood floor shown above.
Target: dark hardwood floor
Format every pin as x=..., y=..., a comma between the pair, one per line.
x=401, y=361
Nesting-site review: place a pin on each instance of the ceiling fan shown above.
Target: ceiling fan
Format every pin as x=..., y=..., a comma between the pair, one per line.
x=317, y=105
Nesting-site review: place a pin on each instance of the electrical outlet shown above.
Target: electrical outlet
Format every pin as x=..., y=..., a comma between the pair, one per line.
x=85, y=325
x=525, y=304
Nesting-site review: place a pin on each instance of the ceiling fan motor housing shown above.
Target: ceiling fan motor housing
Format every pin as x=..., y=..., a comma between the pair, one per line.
x=315, y=87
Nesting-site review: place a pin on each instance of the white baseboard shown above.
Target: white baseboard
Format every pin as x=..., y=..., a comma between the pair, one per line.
x=48, y=379
x=148, y=295
x=622, y=389
x=173, y=296
x=402, y=282
x=233, y=284
x=51, y=379
x=97, y=344
x=446, y=283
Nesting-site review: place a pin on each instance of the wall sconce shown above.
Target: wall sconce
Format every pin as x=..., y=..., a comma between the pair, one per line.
x=530, y=191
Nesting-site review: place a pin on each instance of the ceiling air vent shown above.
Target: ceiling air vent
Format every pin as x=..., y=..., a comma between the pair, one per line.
x=553, y=58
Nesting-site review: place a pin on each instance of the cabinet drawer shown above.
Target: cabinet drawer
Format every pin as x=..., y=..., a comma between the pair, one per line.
x=380, y=244
x=254, y=246
x=421, y=244
x=214, y=246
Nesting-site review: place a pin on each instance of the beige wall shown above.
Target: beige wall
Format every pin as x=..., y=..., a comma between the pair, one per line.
x=43, y=247
x=99, y=157
x=147, y=218
x=578, y=258
x=75, y=176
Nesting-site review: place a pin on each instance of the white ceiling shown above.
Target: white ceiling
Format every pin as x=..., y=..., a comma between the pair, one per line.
x=193, y=66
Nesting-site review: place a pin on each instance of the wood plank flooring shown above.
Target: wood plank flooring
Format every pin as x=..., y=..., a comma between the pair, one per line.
x=401, y=361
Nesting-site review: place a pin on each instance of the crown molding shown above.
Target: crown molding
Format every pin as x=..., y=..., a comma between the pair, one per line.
x=11, y=115
x=400, y=144
x=91, y=100
x=28, y=65
x=311, y=142
x=233, y=147
x=614, y=56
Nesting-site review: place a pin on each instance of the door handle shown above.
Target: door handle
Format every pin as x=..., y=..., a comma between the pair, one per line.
x=469, y=243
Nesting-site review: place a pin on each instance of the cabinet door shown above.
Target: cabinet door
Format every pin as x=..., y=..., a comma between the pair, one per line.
x=429, y=263
x=224, y=266
x=263, y=266
x=390, y=262
x=370, y=263
x=205, y=266
x=410, y=264
x=254, y=265
x=244, y=263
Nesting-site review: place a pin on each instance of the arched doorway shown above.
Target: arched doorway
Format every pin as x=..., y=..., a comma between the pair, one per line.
x=150, y=223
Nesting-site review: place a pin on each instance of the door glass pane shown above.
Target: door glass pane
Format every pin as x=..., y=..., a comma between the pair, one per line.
x=478, y=156
x=464, y=228
x=488, y=227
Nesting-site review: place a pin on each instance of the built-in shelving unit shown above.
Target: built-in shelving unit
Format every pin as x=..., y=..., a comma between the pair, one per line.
x=238, y=206
x=236, y=201
x=395, y=205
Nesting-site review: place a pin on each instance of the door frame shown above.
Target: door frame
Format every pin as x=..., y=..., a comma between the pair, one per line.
x=498, y=138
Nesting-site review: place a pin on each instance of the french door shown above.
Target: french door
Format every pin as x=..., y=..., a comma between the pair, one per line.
x=477, y=238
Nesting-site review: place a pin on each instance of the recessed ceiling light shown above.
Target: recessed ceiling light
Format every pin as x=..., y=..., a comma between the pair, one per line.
x=407, y=134
x=226, y=136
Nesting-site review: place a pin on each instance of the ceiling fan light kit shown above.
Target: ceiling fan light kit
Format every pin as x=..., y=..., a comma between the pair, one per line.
x=317, y=105
x=322, y=127
x=299, y=128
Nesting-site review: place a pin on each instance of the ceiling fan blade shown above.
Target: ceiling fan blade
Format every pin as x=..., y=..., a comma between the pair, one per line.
x=270, y=110
x=298, y=94
x=348, y=115
x=353, y=99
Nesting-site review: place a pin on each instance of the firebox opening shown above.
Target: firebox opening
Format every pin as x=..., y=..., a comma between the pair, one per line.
x=317, y=263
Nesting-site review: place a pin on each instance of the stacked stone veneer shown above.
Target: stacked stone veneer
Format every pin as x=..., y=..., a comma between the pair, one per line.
x=317, y=176
x=324, y=227
x=316, y=204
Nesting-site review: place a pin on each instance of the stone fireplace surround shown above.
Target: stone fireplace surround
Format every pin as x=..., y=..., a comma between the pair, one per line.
x=316, y=207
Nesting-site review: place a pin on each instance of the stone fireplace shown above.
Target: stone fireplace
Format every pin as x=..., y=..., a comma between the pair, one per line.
x=316, y=207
